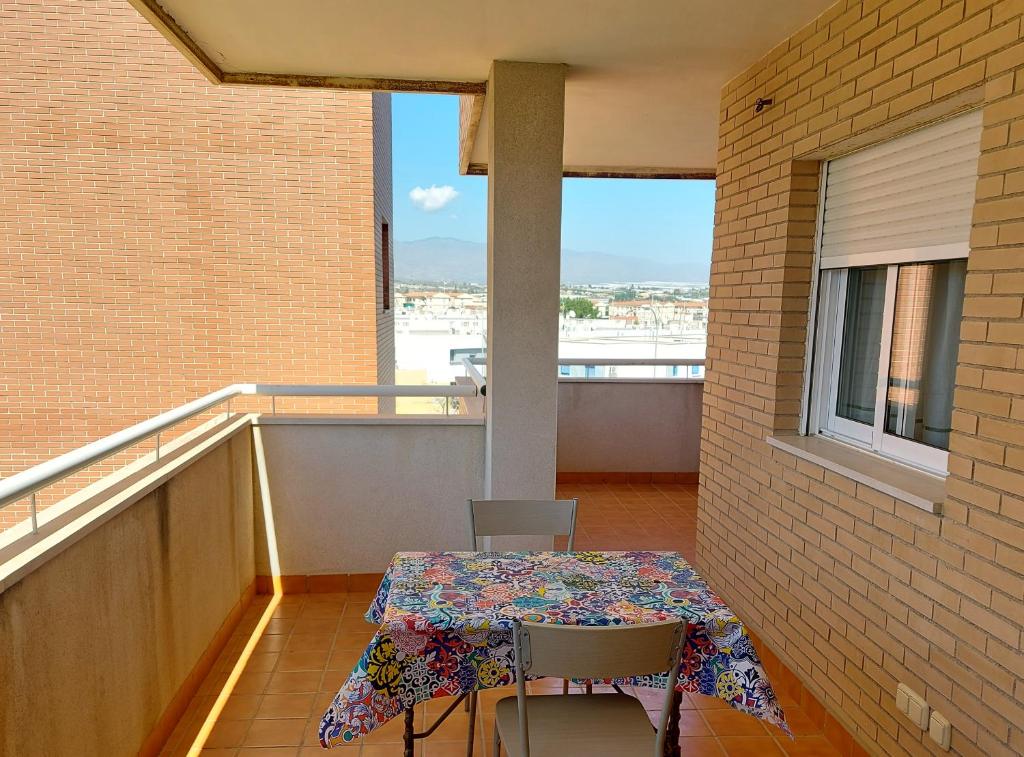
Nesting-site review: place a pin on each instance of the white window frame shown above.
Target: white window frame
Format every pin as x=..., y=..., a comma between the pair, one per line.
x=828, y=337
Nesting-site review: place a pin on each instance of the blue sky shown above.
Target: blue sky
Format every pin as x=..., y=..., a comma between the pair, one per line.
x=669, y=221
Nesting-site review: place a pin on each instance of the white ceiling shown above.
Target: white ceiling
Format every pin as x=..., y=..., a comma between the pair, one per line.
x=644, y=76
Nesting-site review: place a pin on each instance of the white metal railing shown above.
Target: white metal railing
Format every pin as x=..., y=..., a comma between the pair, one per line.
x=474, y=374
x=631, y=361
x=26, y=484
x=470, y=364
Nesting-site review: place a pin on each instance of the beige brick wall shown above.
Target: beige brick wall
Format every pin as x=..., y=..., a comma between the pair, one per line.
x=161, y=237
x=853, y=590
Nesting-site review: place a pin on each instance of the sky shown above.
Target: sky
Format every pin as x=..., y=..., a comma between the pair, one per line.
x=662, y=220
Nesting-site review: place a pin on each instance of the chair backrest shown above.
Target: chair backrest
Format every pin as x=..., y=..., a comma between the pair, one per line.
x=523, y=517
x=562, y=651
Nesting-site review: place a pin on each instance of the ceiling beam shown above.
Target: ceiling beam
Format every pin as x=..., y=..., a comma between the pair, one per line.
x=615, y=172
x=377, y=84
x=153, y=12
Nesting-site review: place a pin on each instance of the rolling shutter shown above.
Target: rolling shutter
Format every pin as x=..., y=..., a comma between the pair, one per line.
x=910, y=193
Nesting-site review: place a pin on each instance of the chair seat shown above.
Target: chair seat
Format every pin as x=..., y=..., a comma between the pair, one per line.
x=592, y=725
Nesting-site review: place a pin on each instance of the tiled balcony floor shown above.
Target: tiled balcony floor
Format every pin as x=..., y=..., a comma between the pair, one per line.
x=314, y=640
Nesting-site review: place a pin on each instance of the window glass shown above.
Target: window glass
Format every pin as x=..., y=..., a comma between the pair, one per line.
x=862, y=339
x=925, y=341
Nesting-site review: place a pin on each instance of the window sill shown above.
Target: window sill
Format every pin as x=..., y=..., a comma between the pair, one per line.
x=901, y=482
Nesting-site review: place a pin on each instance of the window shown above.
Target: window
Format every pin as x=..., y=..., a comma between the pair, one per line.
x=893, y=241
x=385, y=264
x=886, y=357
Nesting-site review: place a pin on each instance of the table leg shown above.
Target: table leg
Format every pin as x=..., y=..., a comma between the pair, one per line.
x=472, y=724
x=672, y=748
x=409, y=732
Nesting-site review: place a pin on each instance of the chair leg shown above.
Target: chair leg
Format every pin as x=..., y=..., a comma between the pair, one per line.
x=590, y=687
x=472, y=724
x=565, y=686
x=409, y=737
x=496, y=748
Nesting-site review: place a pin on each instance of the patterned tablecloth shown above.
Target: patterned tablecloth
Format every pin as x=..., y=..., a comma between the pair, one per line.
x=446, y=628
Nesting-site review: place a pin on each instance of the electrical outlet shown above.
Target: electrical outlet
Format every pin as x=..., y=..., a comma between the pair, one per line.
x=912, y=704
x=940, y=730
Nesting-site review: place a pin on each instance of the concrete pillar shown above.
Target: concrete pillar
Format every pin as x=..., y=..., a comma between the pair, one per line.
x=525, y=108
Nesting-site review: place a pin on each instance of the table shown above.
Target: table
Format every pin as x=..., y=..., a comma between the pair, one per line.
x=446, y=629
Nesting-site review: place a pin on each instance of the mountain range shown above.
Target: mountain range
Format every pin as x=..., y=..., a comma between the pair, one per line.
x=443, y=259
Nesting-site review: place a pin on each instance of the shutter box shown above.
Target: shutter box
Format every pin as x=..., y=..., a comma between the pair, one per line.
x=909, y=197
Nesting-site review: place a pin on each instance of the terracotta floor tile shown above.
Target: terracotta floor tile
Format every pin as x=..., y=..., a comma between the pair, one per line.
x=227, y=733
x=279, y=732
x=271, y=643
x=240, y=707
x=285, y=611
x=691, y=723
x=266, y=751
x=322, y=701
x=290, y=662
x=321, y=611
x=731, y=722
x=280, y=625
x=306, y=624
x=301, y=682
x=285, y=706
x=454, y=728
x=309, y=642
x=799, y=722
x=311, y=736
x=433, y=748
x=386, y=750
x=808, y=746
x=251, y=682
x=344, y=659
x=262, y=662
x=700, y=746
x=750, y=747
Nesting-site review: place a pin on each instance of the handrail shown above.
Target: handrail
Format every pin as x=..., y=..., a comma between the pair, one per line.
x=631, y=361
x=26, y=483
x=367, y=390
x=475, y=376
x=609, y=361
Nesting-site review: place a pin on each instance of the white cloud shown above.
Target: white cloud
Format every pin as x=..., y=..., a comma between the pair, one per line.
x=434, y=198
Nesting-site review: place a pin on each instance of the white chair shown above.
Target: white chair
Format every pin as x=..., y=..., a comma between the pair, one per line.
x=599, y=724
x=519, y=517
x=523, y=517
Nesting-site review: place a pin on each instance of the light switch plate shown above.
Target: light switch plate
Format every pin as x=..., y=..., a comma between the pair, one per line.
x=940, y=730
x=913, y=705
x=902, y=701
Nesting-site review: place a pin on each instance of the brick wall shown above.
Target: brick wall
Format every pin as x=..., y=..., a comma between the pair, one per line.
x=161, y=237
x=854, y=590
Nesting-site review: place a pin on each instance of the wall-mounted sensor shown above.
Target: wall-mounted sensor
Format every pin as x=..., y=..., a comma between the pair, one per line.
x=761, y=103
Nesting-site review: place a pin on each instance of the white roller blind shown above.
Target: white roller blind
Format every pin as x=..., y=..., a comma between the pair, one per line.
x=912, y=192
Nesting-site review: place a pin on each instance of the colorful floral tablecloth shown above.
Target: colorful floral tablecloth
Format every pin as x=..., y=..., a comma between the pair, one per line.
x=446, y=628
